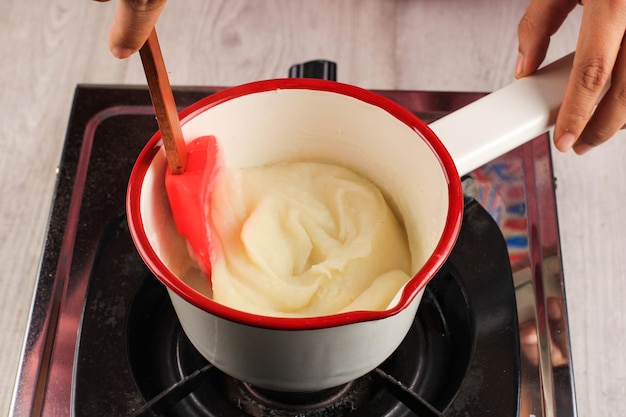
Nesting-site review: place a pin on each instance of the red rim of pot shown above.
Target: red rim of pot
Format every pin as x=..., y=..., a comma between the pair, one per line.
x=411, y=289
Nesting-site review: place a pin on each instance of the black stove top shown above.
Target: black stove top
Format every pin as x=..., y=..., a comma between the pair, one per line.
x=463, y=340
x=104, y=339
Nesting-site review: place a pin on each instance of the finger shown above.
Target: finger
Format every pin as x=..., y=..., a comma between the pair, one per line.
x=540, y=21
x=610, y=115
x=596, y=53
x=132, y=24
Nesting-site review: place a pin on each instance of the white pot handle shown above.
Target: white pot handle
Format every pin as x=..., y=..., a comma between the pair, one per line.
x=506, y=118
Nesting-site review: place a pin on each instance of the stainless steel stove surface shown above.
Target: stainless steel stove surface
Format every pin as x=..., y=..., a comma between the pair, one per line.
x=490, y=337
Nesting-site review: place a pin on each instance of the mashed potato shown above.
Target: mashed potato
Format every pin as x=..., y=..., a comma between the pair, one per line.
x=304, y=239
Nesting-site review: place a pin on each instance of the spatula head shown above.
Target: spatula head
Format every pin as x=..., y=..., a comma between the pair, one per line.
x=189, y=194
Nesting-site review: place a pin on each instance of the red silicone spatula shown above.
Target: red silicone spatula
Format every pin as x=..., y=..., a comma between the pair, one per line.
x=191, y=165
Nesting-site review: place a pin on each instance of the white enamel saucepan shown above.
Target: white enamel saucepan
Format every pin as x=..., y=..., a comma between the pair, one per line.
x=416, y=165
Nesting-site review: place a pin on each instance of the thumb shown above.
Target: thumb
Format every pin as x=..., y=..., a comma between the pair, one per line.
x=132, y=24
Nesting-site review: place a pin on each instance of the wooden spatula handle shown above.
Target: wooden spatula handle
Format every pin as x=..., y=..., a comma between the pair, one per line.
x=164, y=105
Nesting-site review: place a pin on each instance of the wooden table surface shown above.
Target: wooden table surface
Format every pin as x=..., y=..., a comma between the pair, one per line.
x=49, y=47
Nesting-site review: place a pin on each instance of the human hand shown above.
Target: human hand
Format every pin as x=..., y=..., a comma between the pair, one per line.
x=132, y=24
x=599, y=63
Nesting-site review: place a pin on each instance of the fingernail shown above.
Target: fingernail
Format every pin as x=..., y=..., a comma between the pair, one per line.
x=582, y=148
x=120, y=52
x=565, y=142
x=519, y=66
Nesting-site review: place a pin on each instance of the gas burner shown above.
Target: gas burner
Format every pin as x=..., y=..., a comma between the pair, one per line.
x=431, y=362
x=332, y=402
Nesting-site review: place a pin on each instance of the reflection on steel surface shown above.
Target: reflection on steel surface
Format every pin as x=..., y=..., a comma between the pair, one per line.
x=518, y=190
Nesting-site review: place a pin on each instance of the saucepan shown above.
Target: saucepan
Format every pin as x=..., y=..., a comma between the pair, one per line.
x=417, y=167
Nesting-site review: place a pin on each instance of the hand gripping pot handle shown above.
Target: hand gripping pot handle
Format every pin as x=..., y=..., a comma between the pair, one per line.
x=506, y=118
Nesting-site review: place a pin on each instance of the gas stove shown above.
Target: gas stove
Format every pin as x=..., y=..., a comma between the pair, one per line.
x=490, y=336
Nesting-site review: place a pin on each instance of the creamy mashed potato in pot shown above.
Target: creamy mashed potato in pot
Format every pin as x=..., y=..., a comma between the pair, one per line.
x=303, y=239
